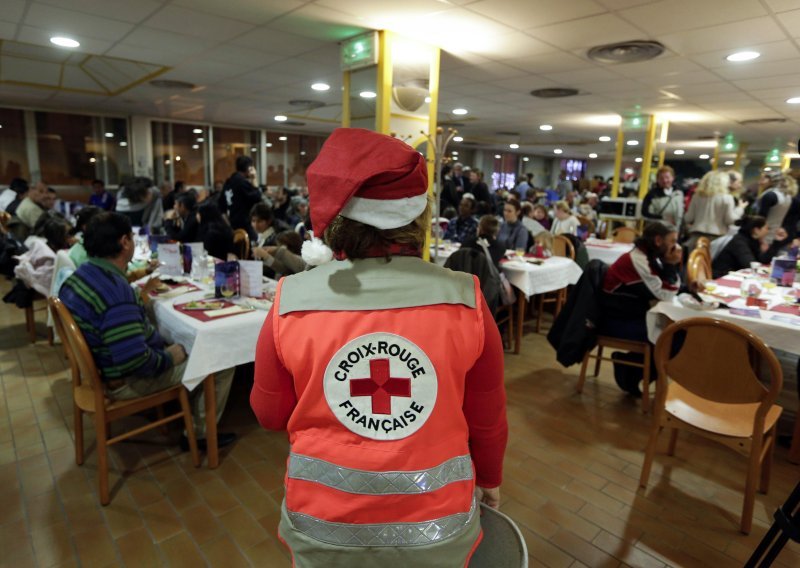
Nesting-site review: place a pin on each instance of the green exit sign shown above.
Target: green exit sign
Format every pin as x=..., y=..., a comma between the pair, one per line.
x=360, y=51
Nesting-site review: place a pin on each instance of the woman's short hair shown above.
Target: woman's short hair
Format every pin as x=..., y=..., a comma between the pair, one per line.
x=357, y=240
x=788, y=184
x=103, y=232
x=714, y=183
x=665, y=169
x=488, y=226
x=750, y=222
x=542, y=208
x=514, y=203
x=527, y=208
x=562, y=206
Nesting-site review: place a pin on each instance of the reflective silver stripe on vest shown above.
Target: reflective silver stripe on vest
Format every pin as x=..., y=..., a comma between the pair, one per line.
x=380, y=482
x=382, y=534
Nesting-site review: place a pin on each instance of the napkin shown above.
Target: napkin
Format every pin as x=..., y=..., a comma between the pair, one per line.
x=225, y=311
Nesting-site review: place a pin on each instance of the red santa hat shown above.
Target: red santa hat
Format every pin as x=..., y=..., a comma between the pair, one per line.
x=367, y=177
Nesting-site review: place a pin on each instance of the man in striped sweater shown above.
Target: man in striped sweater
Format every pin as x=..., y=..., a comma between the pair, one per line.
x=131, y=356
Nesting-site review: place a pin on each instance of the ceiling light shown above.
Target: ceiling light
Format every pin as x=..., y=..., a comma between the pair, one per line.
x=460, y=111
x=558, y=151
x=367, y=94
x=592, y=155
x=728, y=162
x=123, y=143
x=679, y=152
x=197, y=131
x=704, y=156
x=109, y=135
x=605, y=139
x=195, y=146
x=525, y=159
x=268, y=144
x=497, y=156
x=545, y=127
x=282, y=138
x=767, y=169
x=632, y=142
x=201, y=139
x=92, y=160
x=428, y=99
x=638, y=160
x=254, y=149
x=302, y=152
x=167, y=162
x=61, y=41
x=320, y=86
x=513, y=146
x=454, y=152
x=177, y=158
x=458, y=138
x=743, y=56
x=793, y=101
x=628, y=171
x=281, y=118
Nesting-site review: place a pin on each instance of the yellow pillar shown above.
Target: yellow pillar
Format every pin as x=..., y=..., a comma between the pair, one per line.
x=647, y=159
x=618, y=163
x=433, y=92
x=663, y=139
x=786, y=162
x=383, y=104
x=346, y=99
x=715, y=159
x=741, y=153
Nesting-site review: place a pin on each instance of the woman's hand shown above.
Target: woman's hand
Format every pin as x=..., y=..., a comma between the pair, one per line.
x=490, y=496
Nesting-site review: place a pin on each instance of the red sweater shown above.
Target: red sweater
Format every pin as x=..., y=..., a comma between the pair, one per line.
x=274, y=399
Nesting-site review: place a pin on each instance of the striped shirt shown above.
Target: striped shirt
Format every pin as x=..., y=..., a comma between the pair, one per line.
x=111, y=315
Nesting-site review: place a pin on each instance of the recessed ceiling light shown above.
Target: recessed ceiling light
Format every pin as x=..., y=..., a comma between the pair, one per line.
x=545, y=127
x=428, y=99
x=767, y=169
x=793, y=101
x=525, y=159
x=458, y=138
x=254, y=149
x=302, y=152
x=605, y=139
x=123, y=143
x=167, y=162
x=704, y=156
x=281, y=118
x=282, y=138
x=460, y=111
x=268, y=144
x=61, y=41
x=92, y=160
x=109, y=135
x=195, y=146
x=497, y=156
x=743, y=56
x=638, y=160
x=197, y=131
x=367, y=94
x=728, y=162
x=513, y=146
x=632, y=142
x=592, y=155
x=679, y=152
x=201, y=139
x=320, y=86
x=454, y=152
x=558, y=151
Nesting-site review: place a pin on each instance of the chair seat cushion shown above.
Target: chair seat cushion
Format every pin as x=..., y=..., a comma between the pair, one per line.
x=735, y=420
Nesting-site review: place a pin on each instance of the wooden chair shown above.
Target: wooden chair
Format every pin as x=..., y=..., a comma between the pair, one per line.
x=642, y=347
x=586, y=223
x=505, y=315
x=5, y=218
x=698, y=270
x=241, y=241
x=623, y=235
x=703, y=245
x=562, y=246
x=89, y=397
x=30, y=318
x=711, y=388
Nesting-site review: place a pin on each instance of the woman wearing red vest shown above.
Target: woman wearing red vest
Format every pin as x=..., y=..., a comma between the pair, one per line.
x=387, y=372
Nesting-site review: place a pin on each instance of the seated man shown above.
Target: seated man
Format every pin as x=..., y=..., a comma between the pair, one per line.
x=181, y=222
x=638, y=279
x=32, y=206
x=102, y=198
x=465, y=226
x=132, y=358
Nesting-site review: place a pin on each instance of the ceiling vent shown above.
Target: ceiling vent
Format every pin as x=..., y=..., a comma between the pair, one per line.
x=626, y=52
x=174, y=85
x=294, y=123
x=507, y=133
x=554, y=93
x=761, y=121
x=306, y=104
x=452, y=124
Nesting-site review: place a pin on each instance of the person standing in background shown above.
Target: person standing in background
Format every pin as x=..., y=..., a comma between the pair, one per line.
x=100, y=197
x=240, y=194
x=663, y=202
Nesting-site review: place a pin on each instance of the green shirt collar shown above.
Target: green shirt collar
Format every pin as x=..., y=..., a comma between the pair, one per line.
x=106, y=265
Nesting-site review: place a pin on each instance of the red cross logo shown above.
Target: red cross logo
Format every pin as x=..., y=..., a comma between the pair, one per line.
x=380, y=386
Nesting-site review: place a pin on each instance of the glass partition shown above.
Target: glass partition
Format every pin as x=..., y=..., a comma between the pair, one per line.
x=13, y=154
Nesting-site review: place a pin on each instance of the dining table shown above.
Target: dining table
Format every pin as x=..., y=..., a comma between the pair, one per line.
x=607, y=251
x=773, y=315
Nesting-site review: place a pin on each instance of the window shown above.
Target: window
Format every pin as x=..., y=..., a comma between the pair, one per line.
x=288, y=158
x=229, y=144
x=13, y=154
x=75, y=149
x=576, y=169
x=180, y=153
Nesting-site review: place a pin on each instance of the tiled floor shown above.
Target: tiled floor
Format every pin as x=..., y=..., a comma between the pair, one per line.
x=571, y=475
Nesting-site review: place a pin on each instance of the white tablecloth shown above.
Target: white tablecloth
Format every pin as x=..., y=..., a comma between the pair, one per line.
x=777, y=335
x=606, y=251
x=557, y=272
x=212, y=345
x=444, y=253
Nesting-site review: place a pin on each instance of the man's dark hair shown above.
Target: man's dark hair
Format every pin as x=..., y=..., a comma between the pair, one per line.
x=188, y=200
x=85, y=215
x=647, y=242
x=209, y=213
x=136, y=189
x=750, y=222
x=243, y=163
x=261, y=211
x=179, y=185
x=18, y=185
x=291, y=240
x=99, y=182
x=103, y=232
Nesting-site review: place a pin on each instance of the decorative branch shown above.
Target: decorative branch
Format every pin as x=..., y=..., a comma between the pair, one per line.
x=439, y=144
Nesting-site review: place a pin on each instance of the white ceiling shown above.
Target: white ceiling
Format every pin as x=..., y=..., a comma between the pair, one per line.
x=250, y=57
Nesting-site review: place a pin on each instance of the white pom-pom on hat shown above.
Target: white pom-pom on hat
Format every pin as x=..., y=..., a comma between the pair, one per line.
x=315, y=252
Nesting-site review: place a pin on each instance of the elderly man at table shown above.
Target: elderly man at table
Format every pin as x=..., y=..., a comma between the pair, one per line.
x=465, y=225
x=132, y=358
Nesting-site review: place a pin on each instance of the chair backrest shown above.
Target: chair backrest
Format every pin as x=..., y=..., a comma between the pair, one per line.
x=81, y=354
x=704, y=246
x=474, y=261
x=56, y=307
x=718, y=361
x=241, y=241
x=623, y=235
x=698, y=269
x=562, y=246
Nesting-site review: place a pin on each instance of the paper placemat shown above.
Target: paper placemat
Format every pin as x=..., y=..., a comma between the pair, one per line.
x=229, y=309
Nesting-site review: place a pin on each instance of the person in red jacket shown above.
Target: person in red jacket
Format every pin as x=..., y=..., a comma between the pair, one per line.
x=387, y=372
